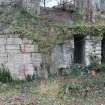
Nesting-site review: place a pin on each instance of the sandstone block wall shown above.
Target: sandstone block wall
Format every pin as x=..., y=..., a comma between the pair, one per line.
x=21, y=56
x=63, y=55
x=102, y=5
x=92, y=49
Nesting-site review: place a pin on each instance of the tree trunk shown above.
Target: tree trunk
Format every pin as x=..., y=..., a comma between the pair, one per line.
x=44, y=1
x=103, y=50
x=89, y=11
x=79, y=49
x=46, y=65
x=44, y=73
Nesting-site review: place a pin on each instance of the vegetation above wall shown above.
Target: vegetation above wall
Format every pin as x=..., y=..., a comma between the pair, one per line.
x=46, y=32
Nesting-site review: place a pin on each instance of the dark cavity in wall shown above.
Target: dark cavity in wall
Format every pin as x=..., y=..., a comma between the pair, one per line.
x=103, y=49
x=79, y=49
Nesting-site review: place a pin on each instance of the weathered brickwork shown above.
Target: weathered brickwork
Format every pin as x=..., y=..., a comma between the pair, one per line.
x=19, y=55
x=92, y=49
x=63, y=54
x=22, y=57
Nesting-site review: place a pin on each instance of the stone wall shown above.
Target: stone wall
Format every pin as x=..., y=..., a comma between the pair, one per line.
x=102, y=5
x=19, y=55
x=56, y=14
x=63, y=55
x=32, y=6
x=9, y=2
x=93, y=49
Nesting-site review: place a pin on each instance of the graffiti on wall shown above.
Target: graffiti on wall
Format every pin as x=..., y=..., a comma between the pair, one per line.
x=19, y=55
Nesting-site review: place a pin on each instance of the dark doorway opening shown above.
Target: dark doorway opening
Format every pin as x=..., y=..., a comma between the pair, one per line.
x=79, y=49
x=103, y=49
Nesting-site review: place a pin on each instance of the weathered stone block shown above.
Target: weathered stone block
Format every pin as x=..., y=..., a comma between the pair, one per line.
x=13, y=35
x=23, y=58
x=11, y=67
x=3, y=60
x=12, y=47
x=27, y=58
x=30, y=69
x=36, y=59
x=2, y=49
x=24, y=69
x=11, y=57
x=13, y=51
x=14, y=41
x=26, y=41
x=4, y=54
x=28, y=48
x=2, y=41
x=2, y=36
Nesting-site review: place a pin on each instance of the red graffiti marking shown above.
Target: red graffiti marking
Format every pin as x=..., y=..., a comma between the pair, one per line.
x=23, y=49
x=23, y=71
